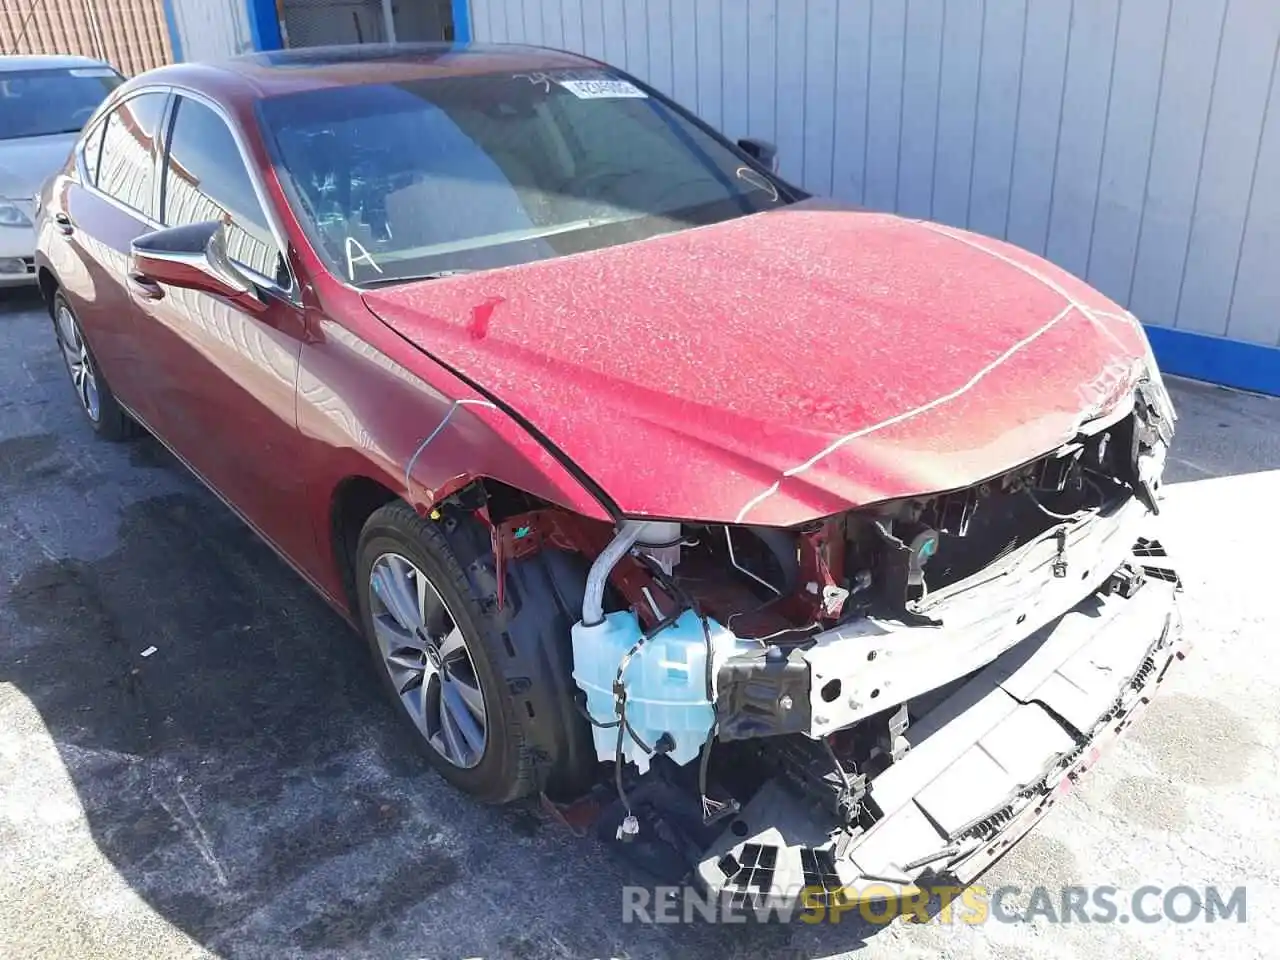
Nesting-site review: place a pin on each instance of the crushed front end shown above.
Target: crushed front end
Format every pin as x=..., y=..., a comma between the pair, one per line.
x=888, y=696
x=938, y=788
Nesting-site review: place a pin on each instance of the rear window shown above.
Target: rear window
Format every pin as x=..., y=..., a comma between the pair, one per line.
x=42, y=103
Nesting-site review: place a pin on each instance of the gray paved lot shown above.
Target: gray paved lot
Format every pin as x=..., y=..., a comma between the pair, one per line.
x=244, y=792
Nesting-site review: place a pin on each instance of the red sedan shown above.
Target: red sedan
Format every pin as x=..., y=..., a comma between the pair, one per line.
x=635, y=465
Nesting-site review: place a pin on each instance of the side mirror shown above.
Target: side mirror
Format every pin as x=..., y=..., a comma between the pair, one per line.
x=193, y=257
x=762, y=151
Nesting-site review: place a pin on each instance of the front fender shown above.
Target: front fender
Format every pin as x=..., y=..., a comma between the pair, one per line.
x=378, y=408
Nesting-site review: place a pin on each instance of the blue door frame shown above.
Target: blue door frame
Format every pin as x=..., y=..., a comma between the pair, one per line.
x=264, y=23
x=461, y=21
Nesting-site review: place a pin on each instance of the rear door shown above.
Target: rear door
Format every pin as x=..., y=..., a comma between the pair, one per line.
x=224, y=380
x=111, y=202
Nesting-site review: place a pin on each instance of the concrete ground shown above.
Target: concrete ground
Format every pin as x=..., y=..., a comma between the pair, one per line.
x=244, y=792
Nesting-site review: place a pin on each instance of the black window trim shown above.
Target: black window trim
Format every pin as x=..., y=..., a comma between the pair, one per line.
x=96, y=129
x=270, y=284
x=160, y=142
x=101, y=122
x=96, y=125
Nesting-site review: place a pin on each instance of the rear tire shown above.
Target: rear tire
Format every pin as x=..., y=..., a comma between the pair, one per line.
x=98, y=403
x=520, y=657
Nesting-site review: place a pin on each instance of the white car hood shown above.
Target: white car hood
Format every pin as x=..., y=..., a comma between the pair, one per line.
x=27, y=162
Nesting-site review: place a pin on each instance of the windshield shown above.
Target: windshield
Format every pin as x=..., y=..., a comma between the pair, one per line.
x=403, y=180
x=41, y=103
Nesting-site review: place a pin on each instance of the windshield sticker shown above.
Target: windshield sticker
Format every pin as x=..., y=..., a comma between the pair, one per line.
x=600, y=87
x=92, y=72
x=356, y=253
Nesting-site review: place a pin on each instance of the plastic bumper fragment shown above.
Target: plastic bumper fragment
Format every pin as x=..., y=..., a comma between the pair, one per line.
x=985, y=764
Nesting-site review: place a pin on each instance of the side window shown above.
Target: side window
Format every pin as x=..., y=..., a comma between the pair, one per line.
x=126, y=169
x=205, y=178
x=91, y=151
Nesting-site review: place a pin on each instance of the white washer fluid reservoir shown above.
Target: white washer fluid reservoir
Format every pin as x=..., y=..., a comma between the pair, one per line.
x=665, y=681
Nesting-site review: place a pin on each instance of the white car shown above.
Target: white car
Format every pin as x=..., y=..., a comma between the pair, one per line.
x=44, y=103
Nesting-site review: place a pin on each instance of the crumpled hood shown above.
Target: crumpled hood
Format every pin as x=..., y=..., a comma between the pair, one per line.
x=27, y=162
x=784, y=366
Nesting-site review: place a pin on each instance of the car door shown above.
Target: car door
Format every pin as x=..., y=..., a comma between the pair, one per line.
x=223, y=380
x=111, y=201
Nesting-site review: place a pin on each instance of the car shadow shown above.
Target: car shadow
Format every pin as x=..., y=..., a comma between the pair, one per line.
x=238, y=767
x=20, y=298
x=1221, y=432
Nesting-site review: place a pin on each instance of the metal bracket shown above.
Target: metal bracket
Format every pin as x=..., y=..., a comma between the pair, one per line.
x=892, y=742
x=1060, y=562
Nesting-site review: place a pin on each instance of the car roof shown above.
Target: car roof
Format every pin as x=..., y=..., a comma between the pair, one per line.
x=259, y=75
x=47, y=62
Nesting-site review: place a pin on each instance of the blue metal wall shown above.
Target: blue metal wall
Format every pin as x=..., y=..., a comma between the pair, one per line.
x=1132, y=142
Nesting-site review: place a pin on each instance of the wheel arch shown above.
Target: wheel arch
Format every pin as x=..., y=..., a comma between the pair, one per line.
x=357, y=496
x=351, y=502
x=48, y=284
x=388, y=425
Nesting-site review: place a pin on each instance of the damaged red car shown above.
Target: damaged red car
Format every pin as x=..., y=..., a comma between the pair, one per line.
x=807, y=546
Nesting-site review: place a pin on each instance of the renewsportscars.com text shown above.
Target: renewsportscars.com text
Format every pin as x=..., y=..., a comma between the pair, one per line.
x=974, y=905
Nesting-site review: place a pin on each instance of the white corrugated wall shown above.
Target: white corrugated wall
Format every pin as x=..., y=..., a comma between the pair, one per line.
x=1132, y=142
x=211, y=29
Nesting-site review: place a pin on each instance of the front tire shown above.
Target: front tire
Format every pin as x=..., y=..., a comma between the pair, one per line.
x=107, y=418
x=488, y=693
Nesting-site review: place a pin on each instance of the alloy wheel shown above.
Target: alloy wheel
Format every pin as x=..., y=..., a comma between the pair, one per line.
x=427, y=659
x=79, y=363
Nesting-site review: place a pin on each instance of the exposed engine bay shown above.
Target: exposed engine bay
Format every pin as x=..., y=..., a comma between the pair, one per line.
x=718, y=664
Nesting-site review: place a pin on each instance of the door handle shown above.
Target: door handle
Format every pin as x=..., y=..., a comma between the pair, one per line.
x=144, y=287
x=64, y=224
